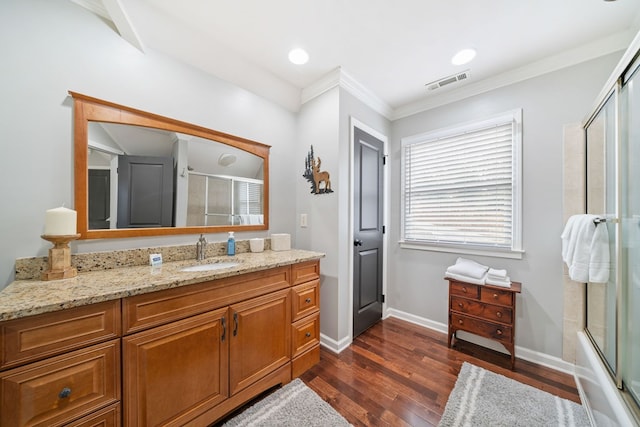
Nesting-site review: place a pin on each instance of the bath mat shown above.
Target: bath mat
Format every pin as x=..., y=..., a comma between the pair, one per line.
x=293, y=405
x=484, y=398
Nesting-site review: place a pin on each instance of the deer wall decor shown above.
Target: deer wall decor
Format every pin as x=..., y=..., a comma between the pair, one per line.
x=319, y=177
x=315, y=176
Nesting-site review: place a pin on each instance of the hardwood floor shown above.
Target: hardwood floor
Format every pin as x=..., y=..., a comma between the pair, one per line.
x=400, y=374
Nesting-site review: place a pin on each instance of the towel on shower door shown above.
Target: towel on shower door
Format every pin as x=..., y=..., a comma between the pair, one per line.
x=585, y=249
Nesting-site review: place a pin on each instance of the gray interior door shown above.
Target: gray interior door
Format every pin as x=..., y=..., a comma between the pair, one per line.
x=368, y=230
x=99, y=198
x=145, y=191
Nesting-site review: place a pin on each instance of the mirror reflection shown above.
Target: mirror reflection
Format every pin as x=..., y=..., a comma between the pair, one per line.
x=145, y=177
x=140, y=174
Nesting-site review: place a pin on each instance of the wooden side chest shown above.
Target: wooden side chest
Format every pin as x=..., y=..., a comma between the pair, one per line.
x=484, y=310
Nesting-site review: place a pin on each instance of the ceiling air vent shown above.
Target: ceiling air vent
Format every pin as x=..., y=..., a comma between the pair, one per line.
x=448, y=80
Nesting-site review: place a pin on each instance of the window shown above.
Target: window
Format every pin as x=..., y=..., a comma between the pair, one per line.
x=461, y=189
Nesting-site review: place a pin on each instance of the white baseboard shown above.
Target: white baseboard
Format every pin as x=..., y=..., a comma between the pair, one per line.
x=333, y=345
x=521, y=352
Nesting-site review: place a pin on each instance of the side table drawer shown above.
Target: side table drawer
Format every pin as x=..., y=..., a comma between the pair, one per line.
x=496, y=296
x=486, y=311
x=482, y=328
x=58, y=390
x=464, y=289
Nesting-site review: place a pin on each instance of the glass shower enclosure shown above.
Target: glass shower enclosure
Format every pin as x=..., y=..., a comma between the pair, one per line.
x=613, y=195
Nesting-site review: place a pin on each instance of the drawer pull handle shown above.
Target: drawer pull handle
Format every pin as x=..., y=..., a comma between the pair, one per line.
x=308, y=300
x=460, y=321
x=499, y=313
x=64, y=393
x=308, y=334
x=498, y=331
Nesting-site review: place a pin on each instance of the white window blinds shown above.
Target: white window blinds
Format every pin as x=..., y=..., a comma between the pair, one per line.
x=458, y=186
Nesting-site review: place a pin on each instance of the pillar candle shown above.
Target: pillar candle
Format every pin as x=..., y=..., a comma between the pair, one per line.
x=60, y=221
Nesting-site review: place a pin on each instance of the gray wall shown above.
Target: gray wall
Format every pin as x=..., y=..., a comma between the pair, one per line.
x=549, y=101
x=50, y=47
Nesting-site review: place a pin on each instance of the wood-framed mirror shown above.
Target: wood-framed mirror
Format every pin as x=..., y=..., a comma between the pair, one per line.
x=141, y=174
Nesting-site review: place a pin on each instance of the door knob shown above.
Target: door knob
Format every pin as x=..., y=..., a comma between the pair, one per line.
x=357, y=242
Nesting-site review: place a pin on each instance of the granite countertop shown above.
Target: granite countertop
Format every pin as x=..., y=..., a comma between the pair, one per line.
x=29, y=297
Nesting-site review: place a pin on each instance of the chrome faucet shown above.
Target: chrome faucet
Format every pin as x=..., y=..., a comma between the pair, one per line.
x=201, y=248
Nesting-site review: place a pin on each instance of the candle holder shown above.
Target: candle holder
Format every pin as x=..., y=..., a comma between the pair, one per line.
x=59, y=257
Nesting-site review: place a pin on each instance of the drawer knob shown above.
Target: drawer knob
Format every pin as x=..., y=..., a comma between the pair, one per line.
x=460, y=321
x=498, y=331
x=495, y=296
x=308, y=334
x=64, y=393
x=308, y=300
x=460, y=304
x=464, y=290
x=499, y=313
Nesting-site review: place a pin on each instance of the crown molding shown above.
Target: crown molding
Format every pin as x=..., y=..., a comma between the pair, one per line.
x=616, y=42
x=338, y=77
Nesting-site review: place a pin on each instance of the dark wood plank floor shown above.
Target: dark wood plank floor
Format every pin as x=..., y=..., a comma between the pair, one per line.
x=401, y=374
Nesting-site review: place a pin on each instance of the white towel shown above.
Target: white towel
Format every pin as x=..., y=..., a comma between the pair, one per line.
x=497, y=274
x=467, y=279
x=506, y=282
x=585, y=249
x=468, y=268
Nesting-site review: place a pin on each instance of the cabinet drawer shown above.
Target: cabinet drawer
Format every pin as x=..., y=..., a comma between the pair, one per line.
x=107, y=417
x=465, y=289
x=58, y=390
x=496, y=296
x=482, y=328
x=305, y=271
x=486, y=311
x=306, y=299
x=305, y=334
x=157, y=308
x=36, y=337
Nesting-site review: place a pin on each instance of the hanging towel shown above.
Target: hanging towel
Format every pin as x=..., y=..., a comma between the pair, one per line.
x=585, y=249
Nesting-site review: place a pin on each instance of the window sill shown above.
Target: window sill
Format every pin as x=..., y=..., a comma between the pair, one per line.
x=512, y=254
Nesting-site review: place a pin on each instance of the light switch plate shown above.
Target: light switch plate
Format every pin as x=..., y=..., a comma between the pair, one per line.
x=303, y=220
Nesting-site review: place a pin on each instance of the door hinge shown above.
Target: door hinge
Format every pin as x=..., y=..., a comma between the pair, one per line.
x=384, y=229
x=384, y=159
x=382, y=298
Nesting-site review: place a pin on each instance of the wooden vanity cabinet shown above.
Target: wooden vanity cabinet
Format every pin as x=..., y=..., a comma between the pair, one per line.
x=305, y=329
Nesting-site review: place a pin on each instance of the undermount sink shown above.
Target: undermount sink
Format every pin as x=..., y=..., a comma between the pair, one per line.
x=212, y=266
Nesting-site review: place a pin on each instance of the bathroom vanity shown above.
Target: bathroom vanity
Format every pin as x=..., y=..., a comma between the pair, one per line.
x=139, y=346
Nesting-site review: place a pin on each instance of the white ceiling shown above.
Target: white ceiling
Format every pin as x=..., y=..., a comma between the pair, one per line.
x=391, y=48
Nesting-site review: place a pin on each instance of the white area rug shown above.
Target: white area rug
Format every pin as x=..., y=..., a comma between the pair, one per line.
x=294, y=405
x=483, y=398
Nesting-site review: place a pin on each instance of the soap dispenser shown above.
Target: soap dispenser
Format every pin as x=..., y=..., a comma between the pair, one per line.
x=231, y=244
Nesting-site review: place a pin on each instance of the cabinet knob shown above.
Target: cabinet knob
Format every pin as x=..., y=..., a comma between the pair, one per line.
x=464, y=290
x=460, y=304
x=495, y=296
x=460, y=321
x=308, y=300
x=64, y=393
x=499, y=313
x=498, y=331
x=308, y=334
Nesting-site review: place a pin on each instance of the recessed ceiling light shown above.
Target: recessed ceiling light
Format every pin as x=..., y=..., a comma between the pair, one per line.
x=463, y=57
x=298, y=56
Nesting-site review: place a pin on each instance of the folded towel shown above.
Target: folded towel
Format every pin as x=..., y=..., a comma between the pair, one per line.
x=506, y=282
x=468, y=268
x=497, y=274
x=467, y=279
x=585, y=249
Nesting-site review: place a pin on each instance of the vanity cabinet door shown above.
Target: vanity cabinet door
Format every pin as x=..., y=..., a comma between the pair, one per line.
x=176, y=372
x=260, y=340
